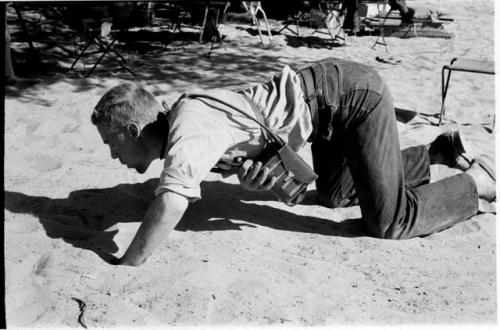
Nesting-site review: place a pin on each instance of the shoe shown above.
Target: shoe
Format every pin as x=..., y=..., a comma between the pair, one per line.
x=388, y=59
x=487, y=163
x=326, y=201
x=450, y=146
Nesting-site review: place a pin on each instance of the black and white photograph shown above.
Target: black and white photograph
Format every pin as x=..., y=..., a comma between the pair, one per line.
x=205, y=163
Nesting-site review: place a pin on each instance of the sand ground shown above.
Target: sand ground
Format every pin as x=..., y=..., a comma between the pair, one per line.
x=238, y=258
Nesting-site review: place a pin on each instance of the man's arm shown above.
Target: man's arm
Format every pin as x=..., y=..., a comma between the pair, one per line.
x=162, y=216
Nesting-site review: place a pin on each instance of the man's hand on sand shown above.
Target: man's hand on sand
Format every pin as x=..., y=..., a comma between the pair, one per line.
x=119, y=262
x=254, y=177
x=112, y=260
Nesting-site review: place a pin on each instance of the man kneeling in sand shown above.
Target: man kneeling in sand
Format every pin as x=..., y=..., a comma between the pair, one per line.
x=343, y=107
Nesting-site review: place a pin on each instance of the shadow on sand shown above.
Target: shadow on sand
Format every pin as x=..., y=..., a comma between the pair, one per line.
x=311, y=42
x=86, y=217
x=147, y=52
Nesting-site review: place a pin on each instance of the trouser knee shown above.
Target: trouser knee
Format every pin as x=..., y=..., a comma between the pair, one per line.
x=336, y=200
x=379, y=230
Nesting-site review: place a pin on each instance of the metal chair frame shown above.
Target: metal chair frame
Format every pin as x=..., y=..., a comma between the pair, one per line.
x=326, y=13
x=412, y=26
x=294, y=21
x=93, y=36
x=462, y=65
x=253, y=8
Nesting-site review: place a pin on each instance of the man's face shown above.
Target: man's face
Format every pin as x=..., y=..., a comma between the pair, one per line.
x=129, y=150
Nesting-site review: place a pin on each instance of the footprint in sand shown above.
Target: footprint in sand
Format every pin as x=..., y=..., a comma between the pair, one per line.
x=21, y=224
x=26, y=304
x=43, y=163
x=48, y=128
x=40, y=267
x=28, y=300
x=19, y=164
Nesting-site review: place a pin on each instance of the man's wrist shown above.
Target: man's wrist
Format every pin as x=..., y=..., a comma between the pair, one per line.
x=125, y=261
x=112, y=260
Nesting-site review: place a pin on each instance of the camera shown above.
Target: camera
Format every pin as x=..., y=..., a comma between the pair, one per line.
x=292, y=172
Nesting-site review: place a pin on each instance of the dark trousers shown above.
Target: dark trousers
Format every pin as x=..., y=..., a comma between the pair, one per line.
x=356, y=154
x=352, y=17
x=400, y=5
x=9, y=70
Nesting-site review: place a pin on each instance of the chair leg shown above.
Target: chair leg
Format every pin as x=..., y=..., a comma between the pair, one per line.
x=260, y=32
x=127, y=68
x=287, y=27
x=444, y=92
x=340, y=21
x=284, y=27
x=325, y=22
x=216, y=24
x=108, y=49
x=204, y=23
x=100, y=58
x=218, y=37
x=80, y=55
x=267, y=23
x=297, y=21
x=381, y=33
x=102, y=45
x=118, y=57
x=24, y=28
x=252, y=10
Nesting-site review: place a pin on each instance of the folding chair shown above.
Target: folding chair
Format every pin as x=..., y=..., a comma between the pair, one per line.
x=463, y=65
x=220, y=8
x=24, y=28
x=98, y=32
x=382, y=8
x=212, y=12
x=217, y=7
x=332, y=18
x=329, y=14
x=253, y=8
x=302, y=15
x=391, y=15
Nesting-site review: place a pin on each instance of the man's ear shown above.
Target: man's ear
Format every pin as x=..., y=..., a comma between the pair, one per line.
x=134, y=130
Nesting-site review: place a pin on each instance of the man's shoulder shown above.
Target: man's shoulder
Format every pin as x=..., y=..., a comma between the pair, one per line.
x=195, y=112
x=208, y=102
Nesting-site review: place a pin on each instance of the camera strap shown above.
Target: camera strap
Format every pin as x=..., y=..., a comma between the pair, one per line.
x=269, y=135
x=162, y=118
x=292, y=172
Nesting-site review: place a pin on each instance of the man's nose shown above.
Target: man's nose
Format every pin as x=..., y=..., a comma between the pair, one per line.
x=114, y=154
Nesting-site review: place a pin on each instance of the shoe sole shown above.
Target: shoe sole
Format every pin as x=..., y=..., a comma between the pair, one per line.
x=487, y=164
x=460, y=148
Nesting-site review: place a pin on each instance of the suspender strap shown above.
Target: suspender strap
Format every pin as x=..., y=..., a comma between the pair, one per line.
x=313, y=94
